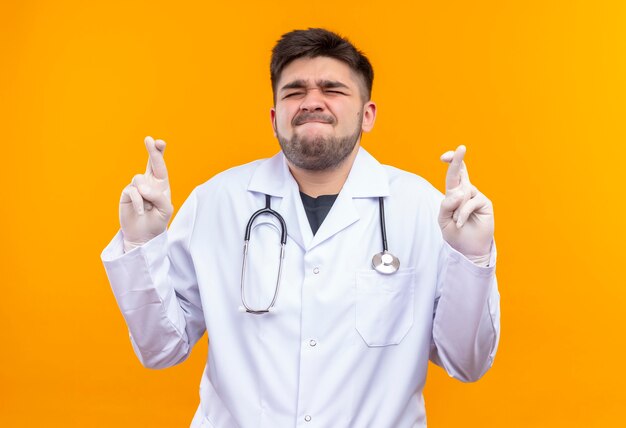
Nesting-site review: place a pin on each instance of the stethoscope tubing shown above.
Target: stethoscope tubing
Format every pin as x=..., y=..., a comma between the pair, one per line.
x=383, y=227
x=283, y=241
x=267, y=210
x=384, y=262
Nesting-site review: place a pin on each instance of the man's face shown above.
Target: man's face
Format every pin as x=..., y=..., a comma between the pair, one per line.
x=320, y=112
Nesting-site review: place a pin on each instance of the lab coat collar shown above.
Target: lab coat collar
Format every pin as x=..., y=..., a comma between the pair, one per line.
x=272, y=177
x=367, y=178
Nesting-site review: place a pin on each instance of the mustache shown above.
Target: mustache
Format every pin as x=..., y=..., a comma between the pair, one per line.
x=308, y=117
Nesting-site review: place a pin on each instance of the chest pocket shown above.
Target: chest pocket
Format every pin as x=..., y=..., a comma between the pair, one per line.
x=384, y=306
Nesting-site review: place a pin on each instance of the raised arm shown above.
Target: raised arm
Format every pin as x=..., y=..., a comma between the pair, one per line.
x=466, y=322
x=151, y=270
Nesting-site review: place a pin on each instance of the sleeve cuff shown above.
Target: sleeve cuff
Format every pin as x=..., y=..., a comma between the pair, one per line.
x=132, y=271
x=470, y=266
x=115, y=249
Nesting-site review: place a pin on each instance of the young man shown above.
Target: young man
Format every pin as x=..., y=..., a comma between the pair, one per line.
x=378, y=272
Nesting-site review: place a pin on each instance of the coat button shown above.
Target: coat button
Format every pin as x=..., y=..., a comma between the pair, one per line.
x=312, y=342
x=307, y=418
x=316, y=270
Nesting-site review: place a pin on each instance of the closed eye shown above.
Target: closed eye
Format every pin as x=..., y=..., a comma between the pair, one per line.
x=292, y=94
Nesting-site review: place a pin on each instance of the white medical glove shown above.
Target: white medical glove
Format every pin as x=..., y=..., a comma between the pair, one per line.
x=466, y=215
x=145, y=205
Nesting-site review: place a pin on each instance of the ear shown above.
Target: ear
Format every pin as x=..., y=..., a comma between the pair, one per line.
x=369, y=116
x=273, y=119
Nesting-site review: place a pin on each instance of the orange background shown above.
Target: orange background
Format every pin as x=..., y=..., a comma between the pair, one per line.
x=535, y=89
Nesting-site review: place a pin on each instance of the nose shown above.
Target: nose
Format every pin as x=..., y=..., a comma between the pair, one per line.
x=313, y=101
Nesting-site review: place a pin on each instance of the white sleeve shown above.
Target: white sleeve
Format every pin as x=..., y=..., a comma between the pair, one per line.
x=466, y=325
x=156, y=289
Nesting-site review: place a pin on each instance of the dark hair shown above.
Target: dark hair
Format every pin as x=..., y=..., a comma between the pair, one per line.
x=316, y=42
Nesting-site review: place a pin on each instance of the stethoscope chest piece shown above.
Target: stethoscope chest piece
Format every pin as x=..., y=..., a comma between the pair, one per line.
x=385, y=263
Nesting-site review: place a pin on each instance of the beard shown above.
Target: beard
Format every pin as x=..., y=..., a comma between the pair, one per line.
x=318, y=153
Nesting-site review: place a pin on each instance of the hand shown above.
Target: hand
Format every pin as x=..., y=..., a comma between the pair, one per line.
x=145, y=205
x=466, y=215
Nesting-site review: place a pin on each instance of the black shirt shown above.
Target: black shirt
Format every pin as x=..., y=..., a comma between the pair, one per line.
x=317, y=209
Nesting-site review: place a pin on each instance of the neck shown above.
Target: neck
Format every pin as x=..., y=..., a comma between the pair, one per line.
x=326, y=182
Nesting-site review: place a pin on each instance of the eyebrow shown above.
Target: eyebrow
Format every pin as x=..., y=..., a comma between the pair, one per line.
x=326, y=84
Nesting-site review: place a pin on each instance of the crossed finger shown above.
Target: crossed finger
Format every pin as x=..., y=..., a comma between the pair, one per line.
x=457, y=170
x=156, y=164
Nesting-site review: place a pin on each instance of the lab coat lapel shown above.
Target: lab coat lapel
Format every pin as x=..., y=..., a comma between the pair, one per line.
x=342, y=214
x=273, y=177
x=367, y=179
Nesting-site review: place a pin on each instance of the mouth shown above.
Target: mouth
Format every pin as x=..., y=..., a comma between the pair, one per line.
x=313, y=118
x=313, y=121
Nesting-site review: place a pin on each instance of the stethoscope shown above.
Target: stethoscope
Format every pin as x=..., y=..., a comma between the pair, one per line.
x=383, y=262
